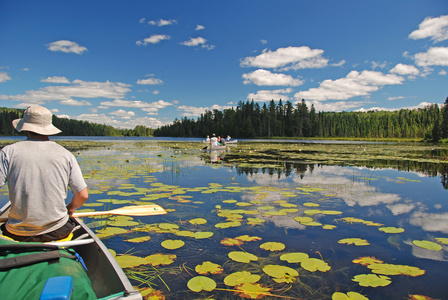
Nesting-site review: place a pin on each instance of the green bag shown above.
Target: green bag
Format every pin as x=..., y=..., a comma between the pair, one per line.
x=25, y=268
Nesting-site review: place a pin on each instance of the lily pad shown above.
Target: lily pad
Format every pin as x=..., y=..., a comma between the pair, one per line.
x=367, y=260
x=314, y=264
x=442, y=240
x=173, y=244
x=428, y=245
x=242, y=257
x=208, y=267
x=295, y=257
x=201, y=283
x=354, y=241
x=372, y=280
x=272, y=246
x=202, y=235
x=198, y=221
x=253, y=291
x=391, y=229
x=281, y=273
x=391, y=269
x=139, y=239
x=348, y=296
x=239, y=278
x=160, y=259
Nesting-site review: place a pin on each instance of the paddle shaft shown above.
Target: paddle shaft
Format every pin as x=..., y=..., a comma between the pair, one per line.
x=137, y=210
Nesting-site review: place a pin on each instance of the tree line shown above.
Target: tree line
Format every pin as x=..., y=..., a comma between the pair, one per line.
x=70, y=127
x=250, y=120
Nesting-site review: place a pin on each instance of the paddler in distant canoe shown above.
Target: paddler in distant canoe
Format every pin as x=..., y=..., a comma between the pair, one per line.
x=38, y=172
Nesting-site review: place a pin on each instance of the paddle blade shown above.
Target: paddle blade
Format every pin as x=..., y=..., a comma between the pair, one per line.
x=137, y=210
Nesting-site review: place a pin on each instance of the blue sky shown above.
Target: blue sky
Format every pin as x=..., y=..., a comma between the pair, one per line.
x=127, y=63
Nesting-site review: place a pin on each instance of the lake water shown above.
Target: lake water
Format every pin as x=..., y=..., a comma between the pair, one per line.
x=314, y=209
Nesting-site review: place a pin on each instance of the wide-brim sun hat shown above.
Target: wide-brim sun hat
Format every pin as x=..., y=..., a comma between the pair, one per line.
x=36, y=119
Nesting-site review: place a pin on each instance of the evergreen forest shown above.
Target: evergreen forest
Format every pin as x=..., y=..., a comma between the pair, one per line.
x=250, y=120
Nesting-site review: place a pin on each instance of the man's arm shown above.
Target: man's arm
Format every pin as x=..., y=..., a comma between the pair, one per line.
x=77, y=201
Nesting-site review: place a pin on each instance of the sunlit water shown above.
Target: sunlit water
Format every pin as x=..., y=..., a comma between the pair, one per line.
x=193, y=184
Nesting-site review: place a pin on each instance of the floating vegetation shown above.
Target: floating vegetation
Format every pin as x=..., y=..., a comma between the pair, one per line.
x=272, y=221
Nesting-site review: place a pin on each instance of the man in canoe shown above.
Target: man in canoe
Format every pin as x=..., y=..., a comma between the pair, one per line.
x=38, y=172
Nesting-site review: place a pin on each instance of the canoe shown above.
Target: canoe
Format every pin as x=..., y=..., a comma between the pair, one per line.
x=231, y=142
x=107, y=278
x=214, y=147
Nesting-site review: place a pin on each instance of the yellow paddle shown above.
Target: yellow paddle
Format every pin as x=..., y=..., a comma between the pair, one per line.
x=135, y=210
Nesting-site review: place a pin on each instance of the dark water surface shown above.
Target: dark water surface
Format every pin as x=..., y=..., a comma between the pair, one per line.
x=355, y=201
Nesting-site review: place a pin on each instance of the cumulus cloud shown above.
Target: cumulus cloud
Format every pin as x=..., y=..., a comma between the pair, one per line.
x=353, y=85
x=434, y=28
x=4, y=77
x=151, y=108
x=199, y=27
x=435, y=56
x=287, y=58
x=153, y=39
x=56, y=79
x=123, y=114
x=194, y=111
x=77, y=89
x=128, y=123
x=267, y=95
x=162, y=22
x=150, y=81
x=402, y=69
x=192, y=42
x=71, y=102
x=66, y=47
x=262, y=77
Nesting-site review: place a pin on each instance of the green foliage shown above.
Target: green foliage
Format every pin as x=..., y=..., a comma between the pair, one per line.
x=249, y=120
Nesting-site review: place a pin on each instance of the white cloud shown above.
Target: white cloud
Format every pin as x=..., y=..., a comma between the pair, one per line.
x=4, y=77
x=123, y=114
x=162, y=22
x=199, y=27
x=402, y=69
x=192, y=42
x=434, y=28
x=421, y=105
x=150, y=81
x=66, y=47
x=395, y=98
x=262, y=77
x=151, y=108
x=353, y=85
x=71, y=102
x=334, y=106
x=78, y=89
x=56, y=79
x=153, y=39
x=267, y=95
x=129, y=123
x=194, y=111
x=436, y=56
x=290, y=57
x=442, y=72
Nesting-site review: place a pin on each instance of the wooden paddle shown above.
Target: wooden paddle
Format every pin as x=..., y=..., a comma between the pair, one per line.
x=135, y=210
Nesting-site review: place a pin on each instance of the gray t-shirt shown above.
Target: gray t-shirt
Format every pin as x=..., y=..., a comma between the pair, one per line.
x=38, y=174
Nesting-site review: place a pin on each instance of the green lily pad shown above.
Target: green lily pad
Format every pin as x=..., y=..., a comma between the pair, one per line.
x=239, y=278
x=201, y=283
x=348, y=296
x=272, y=246
x=428, y=245
x=160, y=259
x=198, y=221
x=295, y=257
x=302, y=220
x=391, y=269
x=442, y=240
x=202, y=235
x=139, y=239
x=314, y=264
x=354, y=241
x=391, y=229
x=281, y=273
x=173, y=244
x=208, y=267
x=372, y=280
x=242, y=257
x=130, y=261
